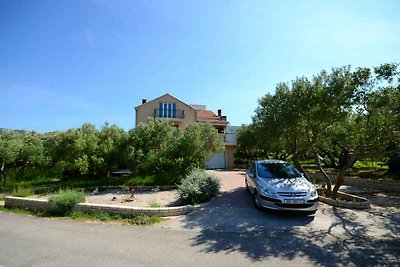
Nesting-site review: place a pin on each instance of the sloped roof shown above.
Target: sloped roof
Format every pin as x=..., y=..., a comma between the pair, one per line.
x=209, y=116
x=205, y=114
x=163, y=96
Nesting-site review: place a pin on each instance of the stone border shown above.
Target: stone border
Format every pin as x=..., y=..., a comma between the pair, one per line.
x=44, y=205
x=380, y=184
x=361, y=203
x=137, y=188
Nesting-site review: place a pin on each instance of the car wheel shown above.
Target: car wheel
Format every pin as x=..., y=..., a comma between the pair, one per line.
x=256, y=200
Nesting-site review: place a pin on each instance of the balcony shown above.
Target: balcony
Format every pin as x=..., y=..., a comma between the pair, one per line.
x=229, y=139
x=169, y=114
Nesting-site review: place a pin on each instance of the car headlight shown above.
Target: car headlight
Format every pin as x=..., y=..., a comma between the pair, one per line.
x=313, y=192
x=268, y=193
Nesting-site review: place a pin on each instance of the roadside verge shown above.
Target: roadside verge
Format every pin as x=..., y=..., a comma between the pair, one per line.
x=44, y=205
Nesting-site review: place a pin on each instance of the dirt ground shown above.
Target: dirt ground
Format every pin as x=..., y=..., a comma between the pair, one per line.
x=139, y=199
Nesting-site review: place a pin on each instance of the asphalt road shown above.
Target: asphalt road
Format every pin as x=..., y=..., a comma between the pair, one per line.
x=228, y=231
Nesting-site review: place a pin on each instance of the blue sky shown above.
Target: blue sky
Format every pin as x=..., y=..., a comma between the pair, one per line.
x=63, y=63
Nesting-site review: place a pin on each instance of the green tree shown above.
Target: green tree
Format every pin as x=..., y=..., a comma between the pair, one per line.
x=249, y=146
x=340, y=117
x=371, y=129
x=10, y=145
x=149, y=145
x=156, y=148
x=112, y=149
x=199, y=142
x=75, y=150
x=31, y=154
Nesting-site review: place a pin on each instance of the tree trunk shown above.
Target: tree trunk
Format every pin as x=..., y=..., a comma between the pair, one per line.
x=328, y=180
x=297, y=164
x=3, y=174
x=348, y=158
x=339, y=182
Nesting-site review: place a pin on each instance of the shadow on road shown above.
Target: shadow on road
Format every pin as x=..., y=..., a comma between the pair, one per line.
x=229, y=224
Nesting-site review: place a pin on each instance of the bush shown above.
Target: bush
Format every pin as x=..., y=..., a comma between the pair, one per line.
x=198, y=186
x=66, y=199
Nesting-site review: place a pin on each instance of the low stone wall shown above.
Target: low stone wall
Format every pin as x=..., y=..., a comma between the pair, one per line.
x=44, y=205
x=28, y=203
x=130, y=211
x=350, y=202
x=385, y=185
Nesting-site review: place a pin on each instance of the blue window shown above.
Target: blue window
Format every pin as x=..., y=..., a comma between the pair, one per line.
x=167, y=110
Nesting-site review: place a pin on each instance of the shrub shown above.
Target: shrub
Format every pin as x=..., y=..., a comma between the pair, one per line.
x=198, y=186
x=154, y=204
x=66, y=199
x=144, y=220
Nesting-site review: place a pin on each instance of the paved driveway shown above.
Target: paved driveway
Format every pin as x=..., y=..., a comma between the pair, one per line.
x=228, y=231
x=354, y=237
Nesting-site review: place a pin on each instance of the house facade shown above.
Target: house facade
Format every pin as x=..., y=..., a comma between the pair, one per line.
x=180, y=115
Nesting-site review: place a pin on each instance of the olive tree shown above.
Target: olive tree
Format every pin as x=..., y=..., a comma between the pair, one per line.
x=371, y=129
x=340, y=116
x=156, y=148
x=10, y=145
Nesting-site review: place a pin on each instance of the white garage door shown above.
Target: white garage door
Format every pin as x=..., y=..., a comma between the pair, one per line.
x=217, y=161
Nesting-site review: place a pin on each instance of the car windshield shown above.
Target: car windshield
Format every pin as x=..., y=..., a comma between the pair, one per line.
x=277, y=170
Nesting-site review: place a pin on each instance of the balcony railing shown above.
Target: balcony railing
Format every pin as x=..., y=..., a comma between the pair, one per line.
x=221, y=119
x=229, y=138
x=169, y=114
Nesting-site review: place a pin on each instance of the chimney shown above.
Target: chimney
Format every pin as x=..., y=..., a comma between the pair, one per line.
x=219, y=112
x=144, y=100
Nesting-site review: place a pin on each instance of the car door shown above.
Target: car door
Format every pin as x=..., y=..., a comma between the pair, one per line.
x=251, y=176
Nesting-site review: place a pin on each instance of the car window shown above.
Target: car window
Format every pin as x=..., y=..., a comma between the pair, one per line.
x=250, y=168
x=277, y=170
x=253, y=170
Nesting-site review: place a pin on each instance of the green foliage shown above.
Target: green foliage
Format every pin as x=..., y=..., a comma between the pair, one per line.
x=66, y=199
x=144, y=220
x=250, y=145
x=87, y=151
x=105, y=217
x=10, y=145
x=198, y=186
x=23, y=192
x=23, y=211
x=338, y=117
x=20, y=150
x=100, y=216
x=154, y=204
x=151, y=149
x=157, y=149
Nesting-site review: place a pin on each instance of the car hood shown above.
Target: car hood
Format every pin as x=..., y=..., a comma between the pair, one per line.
x=299, y=184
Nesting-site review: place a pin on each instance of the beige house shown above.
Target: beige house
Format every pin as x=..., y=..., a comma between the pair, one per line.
x=180, y=115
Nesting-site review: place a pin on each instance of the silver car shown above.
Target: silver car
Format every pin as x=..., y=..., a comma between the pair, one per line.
x=276, y=184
